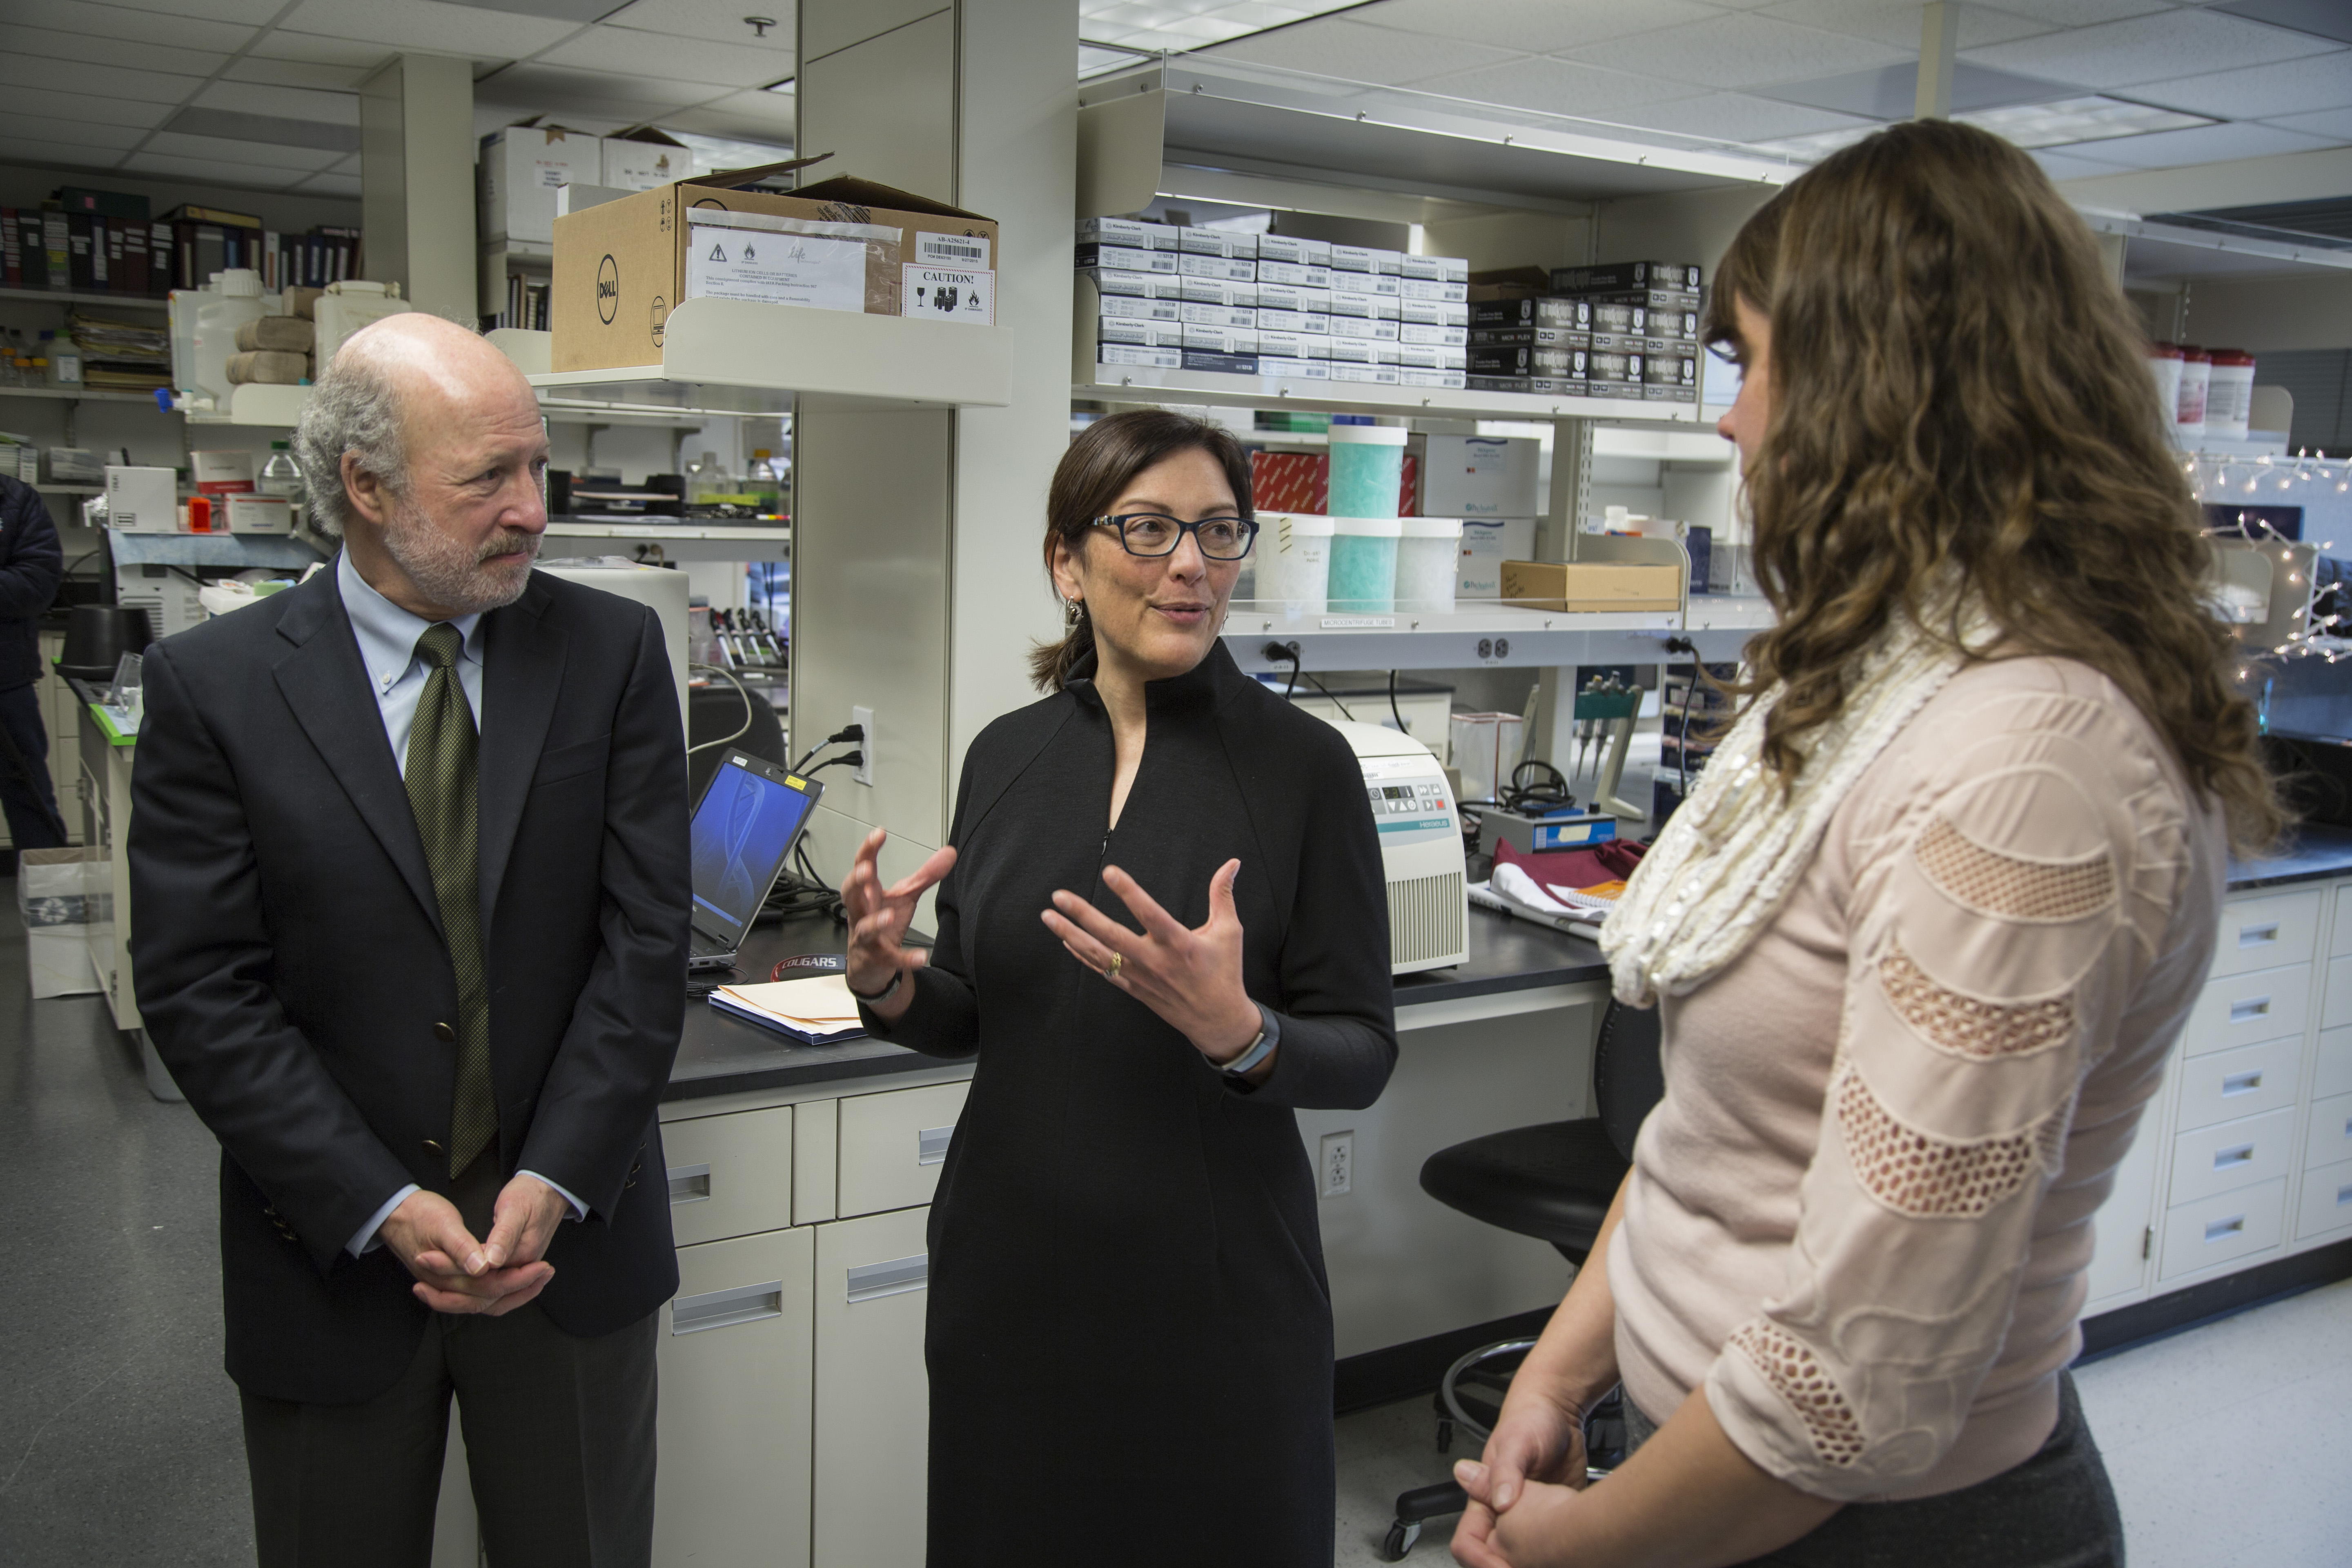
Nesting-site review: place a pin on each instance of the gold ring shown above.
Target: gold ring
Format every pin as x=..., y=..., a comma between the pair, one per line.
x=1110, y=970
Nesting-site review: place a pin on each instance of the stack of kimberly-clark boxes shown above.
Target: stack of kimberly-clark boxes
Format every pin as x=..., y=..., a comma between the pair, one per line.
x=1650, y=312
x=1275, y=305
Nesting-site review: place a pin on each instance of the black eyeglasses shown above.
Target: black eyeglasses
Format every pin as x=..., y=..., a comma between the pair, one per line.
x=1150, y=533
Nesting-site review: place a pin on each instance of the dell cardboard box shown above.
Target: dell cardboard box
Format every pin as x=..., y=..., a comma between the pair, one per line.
x=842, y=243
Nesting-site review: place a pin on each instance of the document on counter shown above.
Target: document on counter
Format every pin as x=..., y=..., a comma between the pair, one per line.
x=817, y=1012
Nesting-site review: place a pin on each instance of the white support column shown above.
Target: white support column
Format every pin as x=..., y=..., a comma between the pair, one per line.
x=416, y=181
x=1940, y=40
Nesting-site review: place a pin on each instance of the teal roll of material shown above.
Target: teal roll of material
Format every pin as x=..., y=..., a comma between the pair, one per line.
x=1367, y=468
x=1363, y=565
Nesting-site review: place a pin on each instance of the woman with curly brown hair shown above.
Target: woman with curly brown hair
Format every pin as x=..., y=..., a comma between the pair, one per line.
x=1928, y=929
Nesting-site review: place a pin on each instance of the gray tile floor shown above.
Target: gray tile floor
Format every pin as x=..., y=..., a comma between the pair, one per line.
x=120, y=1443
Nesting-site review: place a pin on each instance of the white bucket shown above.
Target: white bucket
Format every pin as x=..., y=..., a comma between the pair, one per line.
x=1429, y=563
x=1293, y=561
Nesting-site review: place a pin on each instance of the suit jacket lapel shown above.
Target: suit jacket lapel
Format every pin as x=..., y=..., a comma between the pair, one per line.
x=325, y=684
x=522, y=659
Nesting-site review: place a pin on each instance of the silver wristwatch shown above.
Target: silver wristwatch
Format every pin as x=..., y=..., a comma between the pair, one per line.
x=1269, y=1035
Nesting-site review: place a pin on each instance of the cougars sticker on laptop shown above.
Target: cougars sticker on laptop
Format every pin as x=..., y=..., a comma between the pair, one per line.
x=750, y=814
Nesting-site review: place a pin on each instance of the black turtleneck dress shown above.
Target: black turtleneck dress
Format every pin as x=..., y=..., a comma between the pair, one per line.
x=1129, y=1333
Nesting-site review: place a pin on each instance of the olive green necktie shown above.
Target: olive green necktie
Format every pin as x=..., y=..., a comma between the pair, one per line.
x=443, y=781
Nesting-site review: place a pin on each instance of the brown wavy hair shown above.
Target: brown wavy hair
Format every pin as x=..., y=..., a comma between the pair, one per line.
x=1103, y=459
x=1959, y=394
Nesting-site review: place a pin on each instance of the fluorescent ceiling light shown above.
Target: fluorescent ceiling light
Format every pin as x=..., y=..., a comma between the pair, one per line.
x=1194, y=23
x=1095, y=59
x=2072, y=120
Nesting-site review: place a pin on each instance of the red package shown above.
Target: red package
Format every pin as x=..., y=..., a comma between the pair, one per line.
x=1301, y=481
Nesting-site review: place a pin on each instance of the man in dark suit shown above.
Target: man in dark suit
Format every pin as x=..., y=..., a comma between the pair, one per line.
x=409, y=897
x=31, y=565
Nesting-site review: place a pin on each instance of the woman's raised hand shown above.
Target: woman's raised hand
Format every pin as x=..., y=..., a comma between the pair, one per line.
x=1190, y=977
x=877, y=921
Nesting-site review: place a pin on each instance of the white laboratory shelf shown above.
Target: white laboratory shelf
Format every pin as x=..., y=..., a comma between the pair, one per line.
x=77, y=395
x=676, y=542
x=590, y=411
x=735, y=356
x=1728, y=611
x=1462, y=638
x=278, y=407
x=61, y=297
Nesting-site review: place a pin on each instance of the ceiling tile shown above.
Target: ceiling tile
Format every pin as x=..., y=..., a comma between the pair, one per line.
x=2070, y=166
x=41, y=128
x=85, y=107
x=2150, y=48
x=761, y=116
x=252, y=12
x=592, y=93
x=717, y=21
x=2202, y=144
x=98, y=82
x=1349, y=49
x=430, y=25
x=2080, y=13
x=1895, y=23
x=2336, y=124
x=317, y=49
x=1892, y=92
x=2290, y=87
x=298, y=73
x=284, y=103
x=117, y=22
x=1554, y=86
x=1737, y=116
x=210, y=169
x=262, y=154
x=331, y=185
x=58, y=154
x=2329, y=19
x=47, y=43
x=1738, y=51
x=628, y=52
x=1532, y=26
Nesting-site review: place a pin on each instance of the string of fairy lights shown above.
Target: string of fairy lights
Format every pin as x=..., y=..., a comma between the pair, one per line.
x=2307, y=480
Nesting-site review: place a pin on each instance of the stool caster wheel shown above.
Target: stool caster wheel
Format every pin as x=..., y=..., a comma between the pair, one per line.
x=1399, y=1541
x=1445, y=1436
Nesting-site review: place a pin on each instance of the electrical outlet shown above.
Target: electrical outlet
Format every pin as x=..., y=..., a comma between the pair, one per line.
x=1337, y=1169
x=864, y=717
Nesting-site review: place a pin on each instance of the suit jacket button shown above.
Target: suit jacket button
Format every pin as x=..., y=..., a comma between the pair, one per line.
x=444, y=1033
x=433, y=1148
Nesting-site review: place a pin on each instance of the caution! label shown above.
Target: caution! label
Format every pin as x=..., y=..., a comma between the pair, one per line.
x=949, y=294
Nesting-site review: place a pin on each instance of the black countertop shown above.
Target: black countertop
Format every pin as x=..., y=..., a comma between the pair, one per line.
x=721, y=1055
x=2313, y=854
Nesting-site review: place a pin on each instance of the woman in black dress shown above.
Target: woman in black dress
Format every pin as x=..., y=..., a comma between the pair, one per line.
x=1162, y=928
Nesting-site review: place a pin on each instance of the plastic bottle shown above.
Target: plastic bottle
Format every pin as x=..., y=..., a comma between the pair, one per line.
x=698, y=479
x=218, y=319
x=762, y=481
x=65, y=359
x=281, y=474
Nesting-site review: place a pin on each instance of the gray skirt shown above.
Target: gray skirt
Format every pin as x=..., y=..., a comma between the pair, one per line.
x=2055, y=1510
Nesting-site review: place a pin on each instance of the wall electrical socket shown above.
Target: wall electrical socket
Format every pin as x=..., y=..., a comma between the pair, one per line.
x=1336, y=1170
x=863, y=719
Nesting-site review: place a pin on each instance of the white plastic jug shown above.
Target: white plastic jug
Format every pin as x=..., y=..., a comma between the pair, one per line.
x=213, y=337
x=344, y=309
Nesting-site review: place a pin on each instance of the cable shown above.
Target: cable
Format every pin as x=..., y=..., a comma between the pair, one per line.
x=1535, y=799
x=1690, y=690
x=854, y=760
x=742, y=689
x=847, y=732
x=1394, y=712
x=1280, y=650
x=1326, y=691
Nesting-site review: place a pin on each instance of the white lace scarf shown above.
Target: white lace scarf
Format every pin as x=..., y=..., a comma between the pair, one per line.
x=1729, y=858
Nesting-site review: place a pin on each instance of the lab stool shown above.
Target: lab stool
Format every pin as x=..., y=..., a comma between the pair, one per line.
x=1554, y=1182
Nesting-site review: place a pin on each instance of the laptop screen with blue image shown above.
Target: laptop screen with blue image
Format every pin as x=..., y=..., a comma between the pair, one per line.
x=744, y=826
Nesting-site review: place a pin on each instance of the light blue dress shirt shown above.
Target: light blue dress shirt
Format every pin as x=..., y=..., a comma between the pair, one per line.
x=387, y=637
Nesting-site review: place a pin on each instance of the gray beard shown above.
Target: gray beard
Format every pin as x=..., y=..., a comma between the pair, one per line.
x=450, y=574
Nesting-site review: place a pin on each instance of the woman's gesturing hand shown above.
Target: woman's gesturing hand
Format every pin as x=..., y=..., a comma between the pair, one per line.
x=877, y=921
x=1192, y=978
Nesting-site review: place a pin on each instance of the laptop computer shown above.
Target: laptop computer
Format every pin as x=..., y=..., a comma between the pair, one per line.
x=751, y=814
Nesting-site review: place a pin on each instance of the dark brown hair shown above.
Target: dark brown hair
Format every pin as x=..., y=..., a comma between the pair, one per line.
x=1959, y=395
x=1102, y=461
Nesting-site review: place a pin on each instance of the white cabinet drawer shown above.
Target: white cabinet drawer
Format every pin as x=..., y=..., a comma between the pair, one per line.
x=737, y=1358
x=2266, y=932
x=873, y=1394
x=2336, y=1011
x=2340, y=944
x=2222, y=1229
x=892, y=1145
x=2327, y=1201
x=729, y=1175
x=2233, y=1155
x=2329, y=1140
x=2335, y=1070
x=2248, y=1081
x=2247, y=1009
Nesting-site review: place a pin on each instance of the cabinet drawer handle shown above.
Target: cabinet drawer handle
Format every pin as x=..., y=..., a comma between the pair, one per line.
x=2240, y=1083
x=931, y=1144
x=2231, y=1157
x=690, y=1184
x=2250, y=1009
x=2258, y=936
x=869, y=1280
x=2222, y=1229
x=725, y=1308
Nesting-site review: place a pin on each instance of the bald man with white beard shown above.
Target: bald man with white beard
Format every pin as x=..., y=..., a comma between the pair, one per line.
x=409, y=903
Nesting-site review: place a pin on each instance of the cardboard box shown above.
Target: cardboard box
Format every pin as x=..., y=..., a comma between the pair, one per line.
x=1317, y=323
x=1125, y=258
x=1581, y=585
x=1132, y=232
x=1446, y=380
x=1528, y=337
x=1616, y=275
x=229, y=471
x=1139, y=285
x=1297, y=274
x=518, y=170
x=1484, y=475
x=1433, y=312
x=1217, y=291
x=1288, y=296
x=1144, y=334
x=1221, y=364
x=842, y=243
x=1486, y=543
x=1226, y=242
x=258, y=514
x=1294, y=369
x=1295, y=250
x=1128, y=354
x=1126, y=307
x=1573, y=315
x=644, y=159
x=142, y=500
x=59, y=896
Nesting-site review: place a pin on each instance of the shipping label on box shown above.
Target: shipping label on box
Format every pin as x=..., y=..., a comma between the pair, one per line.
x=1486, y=543
x=1484, y=477
x=1199, y=315
x=1124, y=307
x=1298, y=275
x=730, y=255
x=1218, y=292
x=947, y=294
x=1294, y=321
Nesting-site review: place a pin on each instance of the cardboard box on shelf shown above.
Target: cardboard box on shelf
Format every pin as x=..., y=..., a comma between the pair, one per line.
x=518, y=170
x=1136, y=354
x=1297, y=274
x=1433, y=312
x=1217, y=242
x=1218, y=292
x=1444, y=379
x=1572, y=586
x=1626, y=275
x=1486, y=543
x=1573, y=315
x=1231, y=269
x=1484, y=477
x=1140, y=285
x=1528, y=337
x=644, y=158
x=1126, y=258
x=1146, y=334
x=1285, y=296
x=1314, y=323
x=1131, y=233
x=1437, y=268
x=1294, y=369
x=1221, y=364
x=842, y=244
x=1126, y=307
x=1293, y=249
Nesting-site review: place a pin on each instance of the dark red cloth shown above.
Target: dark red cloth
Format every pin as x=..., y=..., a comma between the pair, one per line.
x=1572, y=868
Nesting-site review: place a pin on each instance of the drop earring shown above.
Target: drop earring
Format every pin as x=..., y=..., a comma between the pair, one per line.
x=1074, y=610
